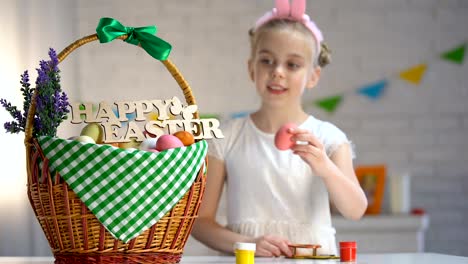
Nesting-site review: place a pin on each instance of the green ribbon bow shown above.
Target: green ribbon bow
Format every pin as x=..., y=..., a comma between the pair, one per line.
x=108, y=29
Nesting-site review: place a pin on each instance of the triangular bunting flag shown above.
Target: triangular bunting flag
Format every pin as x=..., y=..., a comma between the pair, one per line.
x=374, y=90
x=240, y=114
x=329, y=104
x=414, y=75
x=207, y=116
x=456, y=55
x=152, y=116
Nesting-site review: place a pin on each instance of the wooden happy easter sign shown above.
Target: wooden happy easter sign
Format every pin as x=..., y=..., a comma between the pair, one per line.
x=112, y=117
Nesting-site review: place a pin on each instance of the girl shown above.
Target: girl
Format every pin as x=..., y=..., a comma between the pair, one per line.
x=276, y=198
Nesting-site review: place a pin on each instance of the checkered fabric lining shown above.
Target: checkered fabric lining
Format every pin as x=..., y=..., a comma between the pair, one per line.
x=127, y=191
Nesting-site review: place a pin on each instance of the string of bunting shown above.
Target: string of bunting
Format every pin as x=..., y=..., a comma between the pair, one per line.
x=375, y=90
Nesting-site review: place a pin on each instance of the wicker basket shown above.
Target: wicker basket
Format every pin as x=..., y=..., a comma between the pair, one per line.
x=74, y=233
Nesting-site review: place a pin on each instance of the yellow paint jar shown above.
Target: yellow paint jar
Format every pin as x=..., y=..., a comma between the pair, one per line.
x=245, y=253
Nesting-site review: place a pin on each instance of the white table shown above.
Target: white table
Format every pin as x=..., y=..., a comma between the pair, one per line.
x=403, y=258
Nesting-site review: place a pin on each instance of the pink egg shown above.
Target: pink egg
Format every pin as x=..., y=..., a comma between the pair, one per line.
x=168, y=142
x=283, y=137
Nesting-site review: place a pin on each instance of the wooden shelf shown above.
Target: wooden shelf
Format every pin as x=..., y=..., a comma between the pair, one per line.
x=384, y=233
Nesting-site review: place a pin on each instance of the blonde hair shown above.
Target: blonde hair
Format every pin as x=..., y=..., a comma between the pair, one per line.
x=322, y=59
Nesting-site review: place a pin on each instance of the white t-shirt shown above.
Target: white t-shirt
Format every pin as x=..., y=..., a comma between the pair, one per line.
x=275, y=192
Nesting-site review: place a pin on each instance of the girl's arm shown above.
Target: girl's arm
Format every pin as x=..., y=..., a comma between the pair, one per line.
x=337, y=173
x=205, y=228
x=215, y=236
x=343, y=186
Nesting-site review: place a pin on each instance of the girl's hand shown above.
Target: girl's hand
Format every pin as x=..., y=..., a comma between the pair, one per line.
x=272, y=246
x=312, y=151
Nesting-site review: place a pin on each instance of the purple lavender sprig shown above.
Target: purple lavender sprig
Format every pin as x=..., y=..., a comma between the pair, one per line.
x=51, y=101
x=27, y=94
x=14, y=126
x=20, y=117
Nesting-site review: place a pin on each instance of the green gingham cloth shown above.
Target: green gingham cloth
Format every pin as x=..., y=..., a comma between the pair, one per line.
x=127, y=191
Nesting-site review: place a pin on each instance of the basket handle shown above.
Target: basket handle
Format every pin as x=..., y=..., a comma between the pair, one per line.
x=184, y=86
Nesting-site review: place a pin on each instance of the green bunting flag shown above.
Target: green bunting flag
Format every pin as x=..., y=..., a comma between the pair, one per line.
x=207, y=116
x=329, y=104
x=456, y=55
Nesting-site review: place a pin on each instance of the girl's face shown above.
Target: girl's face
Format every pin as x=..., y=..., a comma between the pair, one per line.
x=282, y=67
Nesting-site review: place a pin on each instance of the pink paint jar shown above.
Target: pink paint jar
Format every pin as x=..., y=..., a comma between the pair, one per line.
x=348, y=251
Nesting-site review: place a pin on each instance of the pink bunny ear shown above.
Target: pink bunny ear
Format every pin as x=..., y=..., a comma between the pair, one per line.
x=282, y=8
x=294, y=12
x=298, y=9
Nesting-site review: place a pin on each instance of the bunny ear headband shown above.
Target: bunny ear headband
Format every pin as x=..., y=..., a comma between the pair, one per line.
x=294, y=12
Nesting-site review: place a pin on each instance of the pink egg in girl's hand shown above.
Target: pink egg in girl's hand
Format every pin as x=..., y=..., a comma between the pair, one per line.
x=167, y=142
x=283, y=137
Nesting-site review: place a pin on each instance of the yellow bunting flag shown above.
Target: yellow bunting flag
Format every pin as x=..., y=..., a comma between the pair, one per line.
x=152, y=116
x=414, y=75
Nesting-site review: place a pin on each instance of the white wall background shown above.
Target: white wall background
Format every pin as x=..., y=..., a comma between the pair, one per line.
x=416, y=129
x=29, y=28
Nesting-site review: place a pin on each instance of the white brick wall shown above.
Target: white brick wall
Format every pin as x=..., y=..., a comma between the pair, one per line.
x=420, y=129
